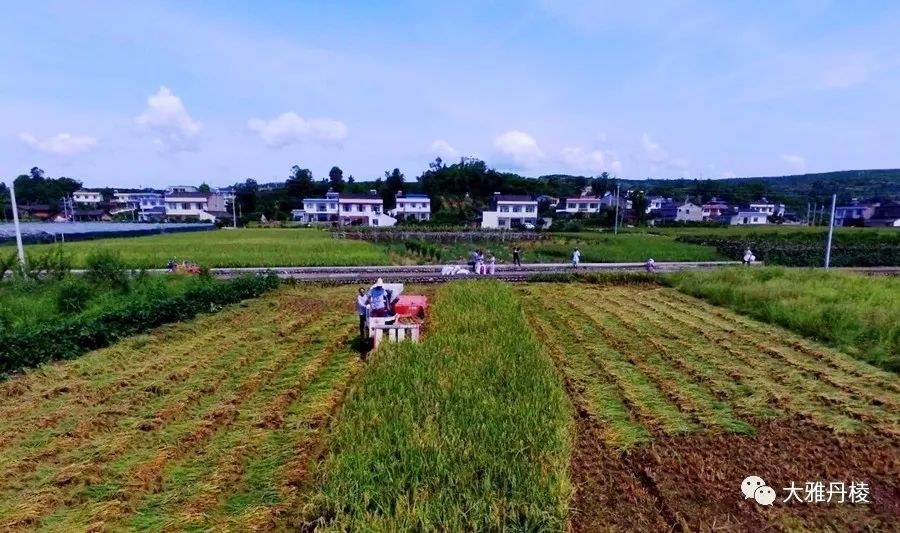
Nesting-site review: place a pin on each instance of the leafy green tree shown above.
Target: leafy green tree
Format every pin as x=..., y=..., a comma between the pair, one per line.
x=34, y=188
x=639, y=204
x=336, y=179
x=300, y=183
x=393, y=183
x=204, y=187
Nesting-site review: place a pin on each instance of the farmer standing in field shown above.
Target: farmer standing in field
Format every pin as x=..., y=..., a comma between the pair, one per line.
x=362, y=300
x=378, y=299
x=517, y=257
x=576, y=257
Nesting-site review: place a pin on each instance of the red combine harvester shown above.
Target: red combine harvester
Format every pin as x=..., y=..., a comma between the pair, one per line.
x=406, y=313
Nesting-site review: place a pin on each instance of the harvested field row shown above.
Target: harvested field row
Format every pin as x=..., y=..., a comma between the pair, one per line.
x=207, y=425
x=678, y=401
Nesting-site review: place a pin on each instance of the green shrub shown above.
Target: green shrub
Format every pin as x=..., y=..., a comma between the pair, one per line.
x=106, y=266
x=73, y=295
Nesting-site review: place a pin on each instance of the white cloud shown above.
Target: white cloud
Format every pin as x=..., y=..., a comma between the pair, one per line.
x=291, y=128
x=660, y=158
x=169, y=122
x=796, y=162
x=64, y=144
x=521, y=149
x=589, y=161
x=442, y=149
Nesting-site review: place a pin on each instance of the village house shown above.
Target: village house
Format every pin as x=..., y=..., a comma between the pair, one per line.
x=318, y=210
x=714, y=209
x=746, y=217
x=655, y=203
x=769, y=208
x=685, y=212
x=510, y=212
x=886, y=215
x=363, y=209
x=855, y=214
x=88, y=198
x=582, y=204
x=412, y=207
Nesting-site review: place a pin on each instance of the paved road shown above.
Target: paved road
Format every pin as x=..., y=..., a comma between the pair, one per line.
x=425, y=273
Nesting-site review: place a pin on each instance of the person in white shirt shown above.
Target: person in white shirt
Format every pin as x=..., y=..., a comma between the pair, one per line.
x=362, y=300
x=576, y=257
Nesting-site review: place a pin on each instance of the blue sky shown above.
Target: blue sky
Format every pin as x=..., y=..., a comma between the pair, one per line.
x=155, y=93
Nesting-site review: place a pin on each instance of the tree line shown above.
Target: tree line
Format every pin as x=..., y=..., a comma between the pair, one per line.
x=460, y=191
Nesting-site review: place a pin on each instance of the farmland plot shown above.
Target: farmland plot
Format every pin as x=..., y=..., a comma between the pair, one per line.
x=677, y=402
x=209, y=424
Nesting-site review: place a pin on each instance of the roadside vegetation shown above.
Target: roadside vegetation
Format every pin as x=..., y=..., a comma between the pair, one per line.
x=856, y=314
x=468, y=430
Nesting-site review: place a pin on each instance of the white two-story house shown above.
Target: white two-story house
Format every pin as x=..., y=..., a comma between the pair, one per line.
x=187, y=203
x=582, y=204
x=318, y=210
x=363, y=209
x=412, y=207
x=510, y=212
x=767, y=207
x=91, y=198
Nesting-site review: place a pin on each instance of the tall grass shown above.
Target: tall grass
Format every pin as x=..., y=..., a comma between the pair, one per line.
x=856, y=314
x=468, y=430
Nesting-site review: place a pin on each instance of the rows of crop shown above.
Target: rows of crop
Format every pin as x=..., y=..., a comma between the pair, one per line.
x=645, y=360
x=856, y=314
x=467, y=430
x=212, y=437
x=800, y=386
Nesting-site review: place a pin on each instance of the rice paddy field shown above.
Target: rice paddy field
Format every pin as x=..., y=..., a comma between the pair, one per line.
x=261, y=247
x=227, y=248
x=532, y=407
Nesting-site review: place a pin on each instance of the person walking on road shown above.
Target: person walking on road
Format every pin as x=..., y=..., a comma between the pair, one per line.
x=517, y=257
x=576, y=257
x=362, y=300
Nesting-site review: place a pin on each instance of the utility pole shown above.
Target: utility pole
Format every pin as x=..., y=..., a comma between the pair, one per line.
x=616, y=222
x=807, y=213
x=234, y=209
x=15, y=210
x=830, y=232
